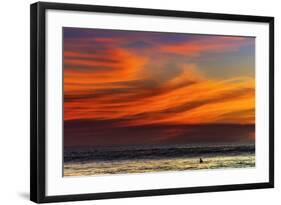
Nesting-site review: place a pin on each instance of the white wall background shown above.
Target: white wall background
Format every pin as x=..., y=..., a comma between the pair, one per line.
x=14, y=101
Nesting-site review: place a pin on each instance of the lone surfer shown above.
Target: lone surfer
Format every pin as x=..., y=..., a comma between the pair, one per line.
x=201, y=161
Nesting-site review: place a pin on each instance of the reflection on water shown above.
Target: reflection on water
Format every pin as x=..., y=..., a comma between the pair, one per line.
x=95, y=161
x=141, y=166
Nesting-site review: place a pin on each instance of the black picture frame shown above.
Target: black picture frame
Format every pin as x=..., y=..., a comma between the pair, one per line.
x=38, y=97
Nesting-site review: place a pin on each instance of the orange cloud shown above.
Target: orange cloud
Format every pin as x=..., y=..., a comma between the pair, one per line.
x=100, y=72
x=208, y=101
x=194, y=48
x=188, y=98
x=140, y=87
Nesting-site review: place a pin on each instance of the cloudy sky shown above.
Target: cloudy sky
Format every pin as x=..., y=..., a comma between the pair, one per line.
x=132, y=87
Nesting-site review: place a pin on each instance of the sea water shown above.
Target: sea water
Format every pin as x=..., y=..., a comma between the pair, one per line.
x=85, y=161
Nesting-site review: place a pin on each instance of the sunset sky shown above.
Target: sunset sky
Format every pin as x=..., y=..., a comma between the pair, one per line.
x=132, y=87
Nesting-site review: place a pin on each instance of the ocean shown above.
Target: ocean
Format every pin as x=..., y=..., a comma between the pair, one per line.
x=86, y=161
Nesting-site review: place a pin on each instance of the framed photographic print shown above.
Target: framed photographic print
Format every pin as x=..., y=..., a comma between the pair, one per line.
x=129, y=102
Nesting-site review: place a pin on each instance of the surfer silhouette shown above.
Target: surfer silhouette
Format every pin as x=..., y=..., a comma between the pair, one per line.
x=201, y=161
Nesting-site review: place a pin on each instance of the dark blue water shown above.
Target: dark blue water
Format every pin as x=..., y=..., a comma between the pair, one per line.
x=87, y=154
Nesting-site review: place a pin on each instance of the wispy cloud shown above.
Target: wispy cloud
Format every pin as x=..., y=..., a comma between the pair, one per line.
x=211, y=44
x=154, y=81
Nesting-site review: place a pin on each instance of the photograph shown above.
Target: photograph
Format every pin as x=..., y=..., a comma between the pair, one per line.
x=146, y=101
x=134, y=102
x=140, y=102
